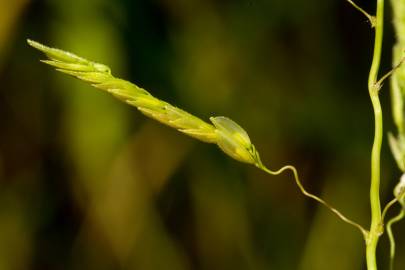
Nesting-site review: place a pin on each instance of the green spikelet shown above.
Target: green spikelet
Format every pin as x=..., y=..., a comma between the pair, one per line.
x=234, y=140
x=228, y=135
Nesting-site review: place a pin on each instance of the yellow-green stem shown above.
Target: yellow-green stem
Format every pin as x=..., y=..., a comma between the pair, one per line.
x=373, y=87
x=312, y=196
x=395, y=219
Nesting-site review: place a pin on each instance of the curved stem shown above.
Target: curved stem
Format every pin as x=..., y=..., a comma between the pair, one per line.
x=373, y=88
x=387, y=207
x=316, y=198
x=395, y=219
x=389, y=73
x=365, y=13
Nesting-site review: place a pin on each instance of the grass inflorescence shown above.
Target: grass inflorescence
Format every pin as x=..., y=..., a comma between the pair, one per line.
x=224, y=132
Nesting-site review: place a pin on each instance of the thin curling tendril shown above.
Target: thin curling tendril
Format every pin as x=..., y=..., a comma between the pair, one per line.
x=314, y=197
x=390, y=234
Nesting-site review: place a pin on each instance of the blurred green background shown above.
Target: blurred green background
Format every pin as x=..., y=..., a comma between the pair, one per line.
x=87, y=182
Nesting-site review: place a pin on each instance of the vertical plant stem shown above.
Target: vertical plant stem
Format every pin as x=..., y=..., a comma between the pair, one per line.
x=373, y=87
x=395, y=219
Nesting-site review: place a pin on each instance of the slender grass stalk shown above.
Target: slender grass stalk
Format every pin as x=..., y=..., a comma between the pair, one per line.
x=399, y=193
x=390, y=234
x=370, y=18
x=387, y=207
x=316, y=198
x=376, y=227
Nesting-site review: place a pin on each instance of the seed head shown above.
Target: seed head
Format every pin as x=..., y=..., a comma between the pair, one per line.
x=234, y=141
x=228, y=135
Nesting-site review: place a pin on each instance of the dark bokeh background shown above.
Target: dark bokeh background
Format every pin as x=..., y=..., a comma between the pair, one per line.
x=87, y=182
